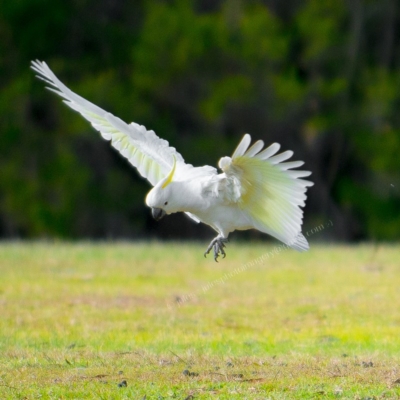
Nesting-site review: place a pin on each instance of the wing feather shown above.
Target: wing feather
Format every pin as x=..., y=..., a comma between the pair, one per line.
x=270, y=193
x=152, y=156
x=290, y=165
x=280, y=157
x=243, y=145
x=269, y=151
x=257, y=146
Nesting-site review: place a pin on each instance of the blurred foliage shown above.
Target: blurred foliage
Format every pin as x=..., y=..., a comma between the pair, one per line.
x=320, y=76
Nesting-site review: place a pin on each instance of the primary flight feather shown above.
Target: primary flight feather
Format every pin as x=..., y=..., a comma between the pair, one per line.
x=257, y=189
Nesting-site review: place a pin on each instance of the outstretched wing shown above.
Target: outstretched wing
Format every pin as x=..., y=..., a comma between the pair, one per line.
x=152, y=156
x=268, y=190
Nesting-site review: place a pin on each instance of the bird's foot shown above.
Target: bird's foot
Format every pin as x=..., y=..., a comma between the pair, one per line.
x=217, y=245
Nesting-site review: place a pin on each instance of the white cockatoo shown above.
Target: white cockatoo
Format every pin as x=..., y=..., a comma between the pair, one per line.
x=256, y=189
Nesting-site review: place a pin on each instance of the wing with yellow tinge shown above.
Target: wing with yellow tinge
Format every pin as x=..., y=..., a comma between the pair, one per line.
x=152, y=156
x=269, y=191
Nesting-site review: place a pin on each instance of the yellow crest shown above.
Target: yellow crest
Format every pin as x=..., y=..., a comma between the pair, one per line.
x=168, y=179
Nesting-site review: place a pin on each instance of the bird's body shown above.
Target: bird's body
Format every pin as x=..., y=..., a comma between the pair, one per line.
x=255, y=190
x=207, y=200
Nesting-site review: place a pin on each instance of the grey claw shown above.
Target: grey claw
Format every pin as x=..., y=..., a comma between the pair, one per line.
x=217, y=245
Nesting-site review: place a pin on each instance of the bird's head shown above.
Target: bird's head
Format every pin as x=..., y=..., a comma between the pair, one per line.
x=160, y=198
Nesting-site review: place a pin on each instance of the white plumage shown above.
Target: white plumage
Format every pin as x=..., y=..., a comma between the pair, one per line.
x=256, y=189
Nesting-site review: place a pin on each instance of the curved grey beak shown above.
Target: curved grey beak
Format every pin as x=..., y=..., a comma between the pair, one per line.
x=157, y=213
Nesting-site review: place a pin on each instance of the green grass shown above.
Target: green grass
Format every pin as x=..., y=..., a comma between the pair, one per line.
x=76, y=320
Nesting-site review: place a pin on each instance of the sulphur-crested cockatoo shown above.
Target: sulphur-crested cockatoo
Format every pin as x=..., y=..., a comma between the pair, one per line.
x=256, y=189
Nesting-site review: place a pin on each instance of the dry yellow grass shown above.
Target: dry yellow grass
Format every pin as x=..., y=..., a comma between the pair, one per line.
x=77, y=320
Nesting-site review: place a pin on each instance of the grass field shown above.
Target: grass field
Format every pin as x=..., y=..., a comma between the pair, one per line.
x=158, y=321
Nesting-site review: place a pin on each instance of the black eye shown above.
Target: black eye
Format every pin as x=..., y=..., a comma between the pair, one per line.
x=166, y=203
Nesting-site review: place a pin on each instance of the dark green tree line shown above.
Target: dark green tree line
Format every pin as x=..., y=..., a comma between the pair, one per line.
x=321, y=77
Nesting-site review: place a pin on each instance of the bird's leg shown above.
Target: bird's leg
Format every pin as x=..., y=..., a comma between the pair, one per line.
x=217, y=244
